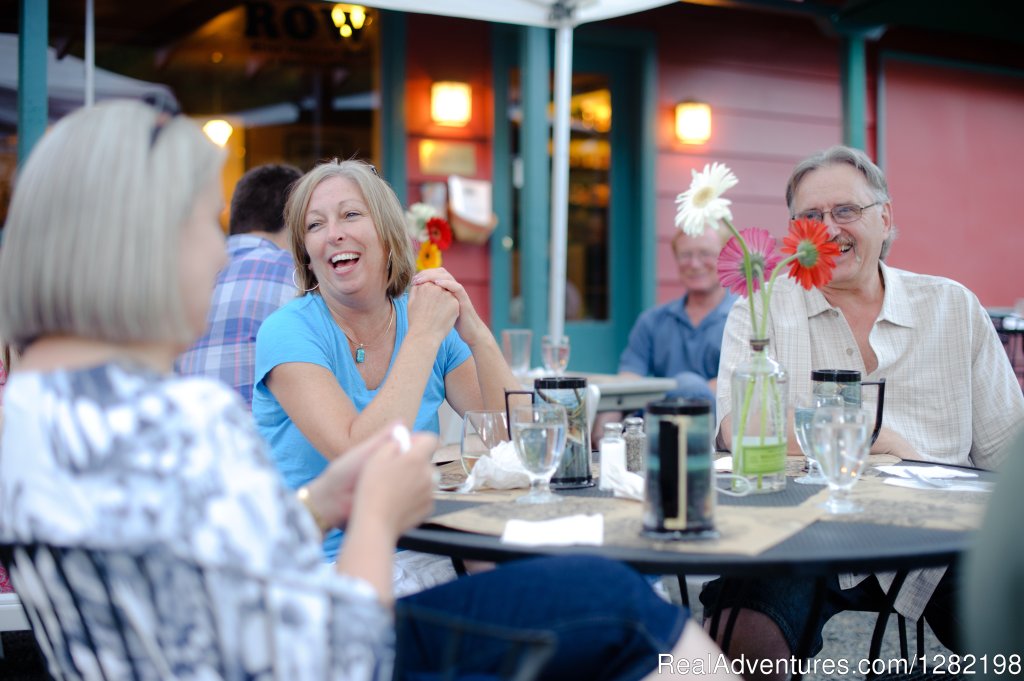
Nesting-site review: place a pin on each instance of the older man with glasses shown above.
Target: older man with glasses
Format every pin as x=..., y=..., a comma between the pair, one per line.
x=951, y=395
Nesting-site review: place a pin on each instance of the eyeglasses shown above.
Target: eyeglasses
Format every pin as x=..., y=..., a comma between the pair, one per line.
x=697, y=255
x=841, y=215
x=372, y=168
x=167, y=107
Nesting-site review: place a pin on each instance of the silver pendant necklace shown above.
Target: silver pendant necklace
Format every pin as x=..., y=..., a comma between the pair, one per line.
x=360, y=353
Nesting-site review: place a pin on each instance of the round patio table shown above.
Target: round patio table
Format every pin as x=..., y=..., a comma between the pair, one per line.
x=818, y=551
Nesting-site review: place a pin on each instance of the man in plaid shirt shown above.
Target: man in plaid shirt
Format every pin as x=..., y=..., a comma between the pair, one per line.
x=257, y=280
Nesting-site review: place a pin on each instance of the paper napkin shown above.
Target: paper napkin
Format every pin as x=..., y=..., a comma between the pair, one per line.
x=501, y=469
x=573, y=529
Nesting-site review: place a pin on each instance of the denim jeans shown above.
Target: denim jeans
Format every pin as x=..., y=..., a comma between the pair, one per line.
x=602, y=619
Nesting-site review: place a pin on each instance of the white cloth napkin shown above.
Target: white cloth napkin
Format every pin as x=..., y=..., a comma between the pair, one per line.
x=573, y=529
x=724, y=464
x=930, y=472
x=933, y=478
x=501, y=469
x=622, y=483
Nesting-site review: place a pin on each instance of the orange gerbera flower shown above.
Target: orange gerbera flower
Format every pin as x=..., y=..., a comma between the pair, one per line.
x=429, y=256
x=808, y=240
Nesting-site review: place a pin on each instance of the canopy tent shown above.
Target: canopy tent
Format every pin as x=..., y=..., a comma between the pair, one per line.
x=66, y=83
x=563, y=16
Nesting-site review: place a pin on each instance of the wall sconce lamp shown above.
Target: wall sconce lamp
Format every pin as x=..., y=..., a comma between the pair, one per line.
x=693, y=122
x=218, y=130
x=451, y=103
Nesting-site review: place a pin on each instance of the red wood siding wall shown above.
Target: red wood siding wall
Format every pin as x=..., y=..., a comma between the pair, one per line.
x=954, y=144
x=773, y=86
x=452, y=49
x=953, y=138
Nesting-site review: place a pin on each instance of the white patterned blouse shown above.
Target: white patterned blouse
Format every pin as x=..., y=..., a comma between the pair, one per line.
x=118, y=457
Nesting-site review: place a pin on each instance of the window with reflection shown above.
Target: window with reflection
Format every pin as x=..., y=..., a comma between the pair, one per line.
x=271, y=80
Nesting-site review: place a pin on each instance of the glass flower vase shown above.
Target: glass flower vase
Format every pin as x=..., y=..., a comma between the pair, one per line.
x=759, y=393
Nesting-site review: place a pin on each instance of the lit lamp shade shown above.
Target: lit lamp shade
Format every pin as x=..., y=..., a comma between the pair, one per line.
x=451, y=103
x=693, y=122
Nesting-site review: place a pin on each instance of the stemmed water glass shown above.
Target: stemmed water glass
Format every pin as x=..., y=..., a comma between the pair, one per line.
x=554, y=351
x=841, y=438
x=538, y=432
x=482, y=431
x=804, y=406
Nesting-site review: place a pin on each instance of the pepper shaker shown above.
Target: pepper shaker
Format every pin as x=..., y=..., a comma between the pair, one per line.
x=636, y=445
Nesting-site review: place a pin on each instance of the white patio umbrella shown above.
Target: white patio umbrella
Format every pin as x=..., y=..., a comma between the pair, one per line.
x=563, y=16
x=67, y=83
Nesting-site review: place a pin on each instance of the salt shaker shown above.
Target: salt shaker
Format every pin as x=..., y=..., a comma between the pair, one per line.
x=613, y=452
x=636, y=445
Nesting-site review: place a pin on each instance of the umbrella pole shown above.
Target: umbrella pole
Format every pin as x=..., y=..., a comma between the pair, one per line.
x=560, y=178
x=90, y=52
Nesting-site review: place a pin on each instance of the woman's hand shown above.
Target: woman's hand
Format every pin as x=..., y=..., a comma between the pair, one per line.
x=333, y=492
x=395, y=490
x=468, y=324
x=432, y=309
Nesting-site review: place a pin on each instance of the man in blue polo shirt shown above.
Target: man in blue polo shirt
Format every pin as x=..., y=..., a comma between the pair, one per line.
x=682, y=339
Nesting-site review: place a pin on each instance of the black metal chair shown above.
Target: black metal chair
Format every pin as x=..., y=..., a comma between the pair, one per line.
x=1010, y=329
x=74, y=597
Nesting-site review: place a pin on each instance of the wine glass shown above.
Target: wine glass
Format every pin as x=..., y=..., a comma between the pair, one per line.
x=482, y=431
x=554, y=351
x=538, y=432
x=515, y=346
x=804, y=406
x=841, y=437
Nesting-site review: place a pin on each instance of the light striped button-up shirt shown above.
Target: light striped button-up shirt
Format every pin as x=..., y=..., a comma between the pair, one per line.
x=950, y=390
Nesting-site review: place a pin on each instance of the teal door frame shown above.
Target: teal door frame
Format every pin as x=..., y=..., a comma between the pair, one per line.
x=394, y=138
x=633, y=234
x=530, y=50
x=33, y=97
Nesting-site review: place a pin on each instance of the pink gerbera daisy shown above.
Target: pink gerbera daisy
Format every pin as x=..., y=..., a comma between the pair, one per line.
x=763, y=259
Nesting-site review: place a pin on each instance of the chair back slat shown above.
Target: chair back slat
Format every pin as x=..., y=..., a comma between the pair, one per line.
x=100, y=615
x=69, y=594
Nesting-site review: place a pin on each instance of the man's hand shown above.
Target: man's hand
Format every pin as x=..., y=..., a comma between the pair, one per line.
x=891, y=442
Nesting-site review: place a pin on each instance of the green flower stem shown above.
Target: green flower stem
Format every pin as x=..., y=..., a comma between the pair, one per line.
x=748, y=272
x=768, y=388
x=767, y=292
x=747, y=396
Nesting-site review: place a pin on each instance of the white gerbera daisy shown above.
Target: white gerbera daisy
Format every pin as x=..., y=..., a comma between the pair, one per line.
x=702, y=204
x=416, y=220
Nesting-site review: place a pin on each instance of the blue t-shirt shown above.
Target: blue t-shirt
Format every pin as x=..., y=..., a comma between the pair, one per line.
x=304, y=331
x=665, y=343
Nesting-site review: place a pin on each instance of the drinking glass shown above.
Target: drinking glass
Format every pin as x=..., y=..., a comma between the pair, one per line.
x=554, y=351
x=804, y=406
x=515, y=346
x=482, y=431
x=538, y=432
x=841, y=437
